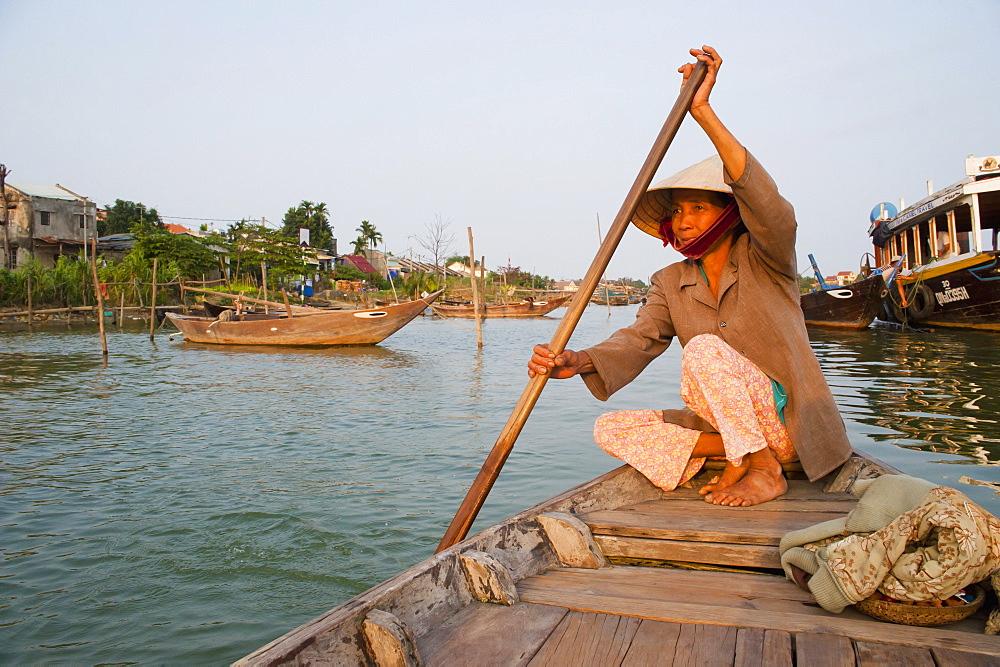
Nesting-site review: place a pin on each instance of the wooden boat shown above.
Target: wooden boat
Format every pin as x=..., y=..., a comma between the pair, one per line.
x=853, y=306
x=526, y=308
x=617, y=571
x=951, y=276
x=337, y=327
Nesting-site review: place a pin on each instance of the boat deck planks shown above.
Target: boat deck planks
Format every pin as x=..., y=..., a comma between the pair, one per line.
x=713, y=534
x=633, y=613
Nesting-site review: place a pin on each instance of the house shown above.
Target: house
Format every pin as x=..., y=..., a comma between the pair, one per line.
x=463, y=270
x=44, y=222
x=566, y=286
x=845, y=277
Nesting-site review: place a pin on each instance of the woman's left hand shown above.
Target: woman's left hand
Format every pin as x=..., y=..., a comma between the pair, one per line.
x=710, y=57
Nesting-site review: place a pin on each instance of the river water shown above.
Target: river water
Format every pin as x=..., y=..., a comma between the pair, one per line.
x=188, y=503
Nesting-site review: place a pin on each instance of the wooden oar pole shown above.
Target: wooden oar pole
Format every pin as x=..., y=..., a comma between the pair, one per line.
x=483, y=483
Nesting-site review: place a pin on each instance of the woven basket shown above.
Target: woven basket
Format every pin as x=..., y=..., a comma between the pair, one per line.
x=908, y=614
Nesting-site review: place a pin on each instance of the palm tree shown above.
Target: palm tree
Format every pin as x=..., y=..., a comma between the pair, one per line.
x=321, y=212
x=359, y=244
x=368, y=232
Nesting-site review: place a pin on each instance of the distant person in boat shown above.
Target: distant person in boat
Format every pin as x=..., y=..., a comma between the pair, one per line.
x=753, y=389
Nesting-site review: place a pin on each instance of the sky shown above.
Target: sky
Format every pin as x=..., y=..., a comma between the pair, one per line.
x=526, y=121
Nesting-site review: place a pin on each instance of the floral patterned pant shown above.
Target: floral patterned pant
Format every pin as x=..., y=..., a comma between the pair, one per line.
x=722, y=387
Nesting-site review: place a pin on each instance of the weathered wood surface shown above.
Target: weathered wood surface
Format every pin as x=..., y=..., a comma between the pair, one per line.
x=704, y=533
x=390, y=643
x=434, y=590
x=572, y=540
x=767, y=602
x=489, y=580
x=632, y=615
x=490, y=634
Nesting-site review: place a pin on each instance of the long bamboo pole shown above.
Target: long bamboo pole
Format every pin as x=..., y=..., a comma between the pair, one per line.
x=152, y=304
x=477, y=307
x=100, y=300
x=480, y=489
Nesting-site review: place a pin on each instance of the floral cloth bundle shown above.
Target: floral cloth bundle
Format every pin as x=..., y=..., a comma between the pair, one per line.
x=907, y=539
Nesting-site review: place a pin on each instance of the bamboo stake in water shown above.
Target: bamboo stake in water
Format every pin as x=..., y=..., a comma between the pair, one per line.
x=477, y=308
x=263, y=280
x=152, y=305
x=100, y=301
x=31, y=315
x=480, y=489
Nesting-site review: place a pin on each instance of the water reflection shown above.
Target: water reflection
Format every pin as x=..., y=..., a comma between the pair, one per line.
x=937, y=390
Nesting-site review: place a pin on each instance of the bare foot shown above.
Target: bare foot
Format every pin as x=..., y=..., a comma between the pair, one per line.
x=762, y=481
x=730, y=475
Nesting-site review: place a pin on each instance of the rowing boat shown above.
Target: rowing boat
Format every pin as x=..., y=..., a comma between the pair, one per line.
x=526, y=308
x=617, y=571
x=336, y=327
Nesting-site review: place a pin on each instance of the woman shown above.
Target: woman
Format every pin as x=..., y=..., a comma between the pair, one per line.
x=753, y=389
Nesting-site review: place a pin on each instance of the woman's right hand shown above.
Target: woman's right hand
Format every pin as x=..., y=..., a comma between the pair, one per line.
x=565, y=365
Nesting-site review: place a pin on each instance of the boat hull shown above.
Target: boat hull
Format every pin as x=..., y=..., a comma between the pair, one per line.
x=962, y=295
x=522, y=309
x=351, y=327
x=853, y=306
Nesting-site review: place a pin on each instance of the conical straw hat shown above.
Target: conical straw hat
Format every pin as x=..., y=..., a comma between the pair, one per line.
x=654, y=205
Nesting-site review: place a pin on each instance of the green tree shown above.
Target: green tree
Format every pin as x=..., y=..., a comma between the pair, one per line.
x=368, y=232
x=250, y=243
x=348, y=272
x=124, y=215
x=314, y=217
x=807, y=284
x=192, y=257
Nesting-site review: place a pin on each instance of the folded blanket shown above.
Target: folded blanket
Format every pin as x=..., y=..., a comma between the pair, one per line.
x=906, y=538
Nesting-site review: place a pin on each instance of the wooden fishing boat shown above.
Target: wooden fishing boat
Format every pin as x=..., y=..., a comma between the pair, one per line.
x=214, y=310
x=853, y=306
x=525, y=308
x=336, y=327
x=951, y=276
x=617, y=571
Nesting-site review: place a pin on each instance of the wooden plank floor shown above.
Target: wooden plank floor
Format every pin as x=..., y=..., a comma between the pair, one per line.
x=683, y=527
x=635, y=615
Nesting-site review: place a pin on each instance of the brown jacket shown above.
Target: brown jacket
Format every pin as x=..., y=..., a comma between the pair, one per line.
x=757, y=314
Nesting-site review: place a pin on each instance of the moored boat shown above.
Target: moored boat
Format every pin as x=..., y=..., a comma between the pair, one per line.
x=851, y=306
x=950, y=276
x=322, y=328
x=525, y=308
x=586, y=578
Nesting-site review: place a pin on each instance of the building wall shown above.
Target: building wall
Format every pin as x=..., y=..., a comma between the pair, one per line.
x=62, y=235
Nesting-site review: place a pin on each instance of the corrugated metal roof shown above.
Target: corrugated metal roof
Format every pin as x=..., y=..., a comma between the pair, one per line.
x=47, y=191
x=363, y=264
